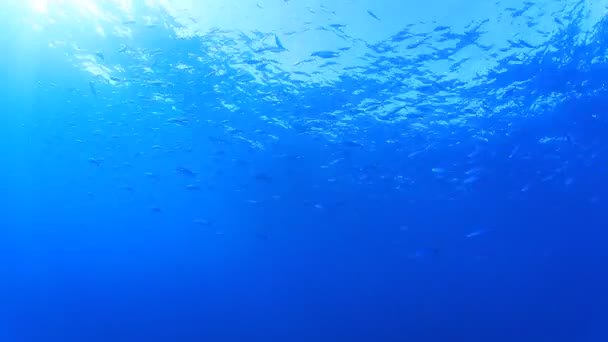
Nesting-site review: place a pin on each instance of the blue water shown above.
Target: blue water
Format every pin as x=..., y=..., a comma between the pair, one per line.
x=326, y=170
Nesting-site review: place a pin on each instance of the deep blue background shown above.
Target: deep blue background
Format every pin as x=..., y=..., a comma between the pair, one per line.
x=326, y=233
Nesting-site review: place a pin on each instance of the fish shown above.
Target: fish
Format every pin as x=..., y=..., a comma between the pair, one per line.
x=96, y=162
x=337, y=26
x=92, y=88
x=373, y=15
x=186, y=171
x=514, y=151
x=278, y=43
x=470, y=180
x=179, y=121
x=350, y=143
x=202, y=222
x=274, y=49
x=325, y=54
x=262, y=177
x=100, y=56
x=326, y=64
x=478, y=232
x=151, y=175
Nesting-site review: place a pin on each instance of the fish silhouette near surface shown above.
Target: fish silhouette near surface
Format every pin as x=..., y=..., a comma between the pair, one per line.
x=92, y=88
x=373, y=15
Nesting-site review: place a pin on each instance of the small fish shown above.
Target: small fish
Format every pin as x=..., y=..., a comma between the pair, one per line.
x=350, y=143
x=92, y=88
x=373, y=15
x=470, y=180
x=156, y=209
x=263, y=177
x=278, y=43
x=202, y=222
x=100, y=56
x=151, y=175
x=96, y=162
x=325, y=54
x=326, y=64
x=415, y=153
x=179, y=121
x=514, y=152
x=477, y=233
x=274, y=49
x=186, y=171
x=193, y=187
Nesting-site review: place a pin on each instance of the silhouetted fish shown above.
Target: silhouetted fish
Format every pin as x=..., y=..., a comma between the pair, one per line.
x=100, y=56
x=95, y=161
x=202, y=222
x=373, y=15
x=262, y=177
x=186, y=171
x=325, y=54
x=278, y=43
x=92, y=88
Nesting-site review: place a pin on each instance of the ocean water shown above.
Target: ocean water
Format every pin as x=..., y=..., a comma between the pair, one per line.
x=320, y=170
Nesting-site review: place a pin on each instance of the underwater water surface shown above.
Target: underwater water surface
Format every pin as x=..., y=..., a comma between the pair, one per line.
x=289, y=170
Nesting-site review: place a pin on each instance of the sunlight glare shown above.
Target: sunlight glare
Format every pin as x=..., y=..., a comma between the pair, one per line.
x=40, y=6
x=87, y=7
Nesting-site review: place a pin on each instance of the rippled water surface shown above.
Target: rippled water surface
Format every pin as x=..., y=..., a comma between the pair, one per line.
x=290, y=170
